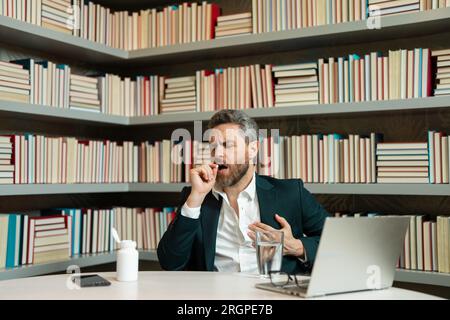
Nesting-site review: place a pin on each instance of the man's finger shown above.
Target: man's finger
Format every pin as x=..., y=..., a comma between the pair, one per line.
x=282, y=221
x=255, y=228
x=264, y=226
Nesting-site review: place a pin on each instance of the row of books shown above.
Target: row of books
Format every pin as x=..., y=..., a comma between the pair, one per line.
x=191, y=22
x=319, y=158
x=51, y=84
x=30, y=159
x=427, y=245
x=427, y=241
x=280, y=15
x=34, y=239
x=403, y=74
x=174, y=24
x=235, y=88
x=58, y=234
x=392, y=7
x=442, y=72
x=316, y=158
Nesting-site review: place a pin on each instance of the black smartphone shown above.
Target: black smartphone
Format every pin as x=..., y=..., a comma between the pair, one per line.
x=91, y=280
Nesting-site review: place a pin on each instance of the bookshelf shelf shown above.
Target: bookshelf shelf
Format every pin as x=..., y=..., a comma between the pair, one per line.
x=357, y=189
x=30, y=36
x=48, y=189
x=423, y=277
x=38, y=112
x=420, y=23
x=308, y=110
x=61, y=266
x=381, y=189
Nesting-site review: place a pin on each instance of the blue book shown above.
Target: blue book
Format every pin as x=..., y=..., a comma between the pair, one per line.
x=11, y=245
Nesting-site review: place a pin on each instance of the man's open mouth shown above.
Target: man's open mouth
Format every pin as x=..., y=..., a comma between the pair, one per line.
x=222, y=167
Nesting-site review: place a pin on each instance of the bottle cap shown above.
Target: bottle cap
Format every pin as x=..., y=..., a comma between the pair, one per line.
x=126, y=244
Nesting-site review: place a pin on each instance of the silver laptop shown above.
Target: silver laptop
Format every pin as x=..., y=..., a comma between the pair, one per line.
x=354, y=254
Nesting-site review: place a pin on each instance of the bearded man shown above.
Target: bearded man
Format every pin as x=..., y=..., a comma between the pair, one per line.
x=228, y=202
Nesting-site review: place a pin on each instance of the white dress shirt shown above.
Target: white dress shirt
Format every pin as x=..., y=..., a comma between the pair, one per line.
x=234, y=250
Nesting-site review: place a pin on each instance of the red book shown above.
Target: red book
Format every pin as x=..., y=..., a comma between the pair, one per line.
x=215, y=13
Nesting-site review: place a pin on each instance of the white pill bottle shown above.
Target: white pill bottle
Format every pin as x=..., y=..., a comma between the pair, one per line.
x=127, y=261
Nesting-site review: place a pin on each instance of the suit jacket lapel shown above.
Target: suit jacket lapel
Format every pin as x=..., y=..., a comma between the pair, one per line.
x=210, y=220
x=267, y=199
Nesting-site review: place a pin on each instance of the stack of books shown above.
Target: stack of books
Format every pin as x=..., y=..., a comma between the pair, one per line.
x=56, y=15
x=438, y=150
x=49, y=239
x=391, y=7
x=443, y=72
x=84, y=93
x=402, y=162
x=14, y=82
x=233, y=25
x=296, y=84
x=6, y=160
x=179, y=95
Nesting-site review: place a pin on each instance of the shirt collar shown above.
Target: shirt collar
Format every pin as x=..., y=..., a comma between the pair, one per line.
x=250, y=191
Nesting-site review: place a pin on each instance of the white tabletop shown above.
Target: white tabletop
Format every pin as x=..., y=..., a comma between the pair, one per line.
x=172, y=286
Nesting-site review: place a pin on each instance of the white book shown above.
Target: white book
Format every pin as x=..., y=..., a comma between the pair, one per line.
x=434, y=246
x=420, y=249
x=427, y=243
x=413, y=242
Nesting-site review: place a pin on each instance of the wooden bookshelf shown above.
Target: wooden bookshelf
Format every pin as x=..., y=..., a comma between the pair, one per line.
x=81, y=261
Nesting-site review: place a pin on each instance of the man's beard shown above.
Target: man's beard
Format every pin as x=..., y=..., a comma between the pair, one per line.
x=236, y=173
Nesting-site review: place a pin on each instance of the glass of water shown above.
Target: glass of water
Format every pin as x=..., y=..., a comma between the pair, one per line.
x=269, y=251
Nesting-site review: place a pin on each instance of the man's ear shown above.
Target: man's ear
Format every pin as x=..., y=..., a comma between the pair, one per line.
x=253, y=149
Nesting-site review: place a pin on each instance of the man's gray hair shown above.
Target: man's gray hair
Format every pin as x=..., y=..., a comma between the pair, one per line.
x=246, y=124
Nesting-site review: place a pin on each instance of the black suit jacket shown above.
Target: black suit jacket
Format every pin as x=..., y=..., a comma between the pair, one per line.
x=190, y=244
